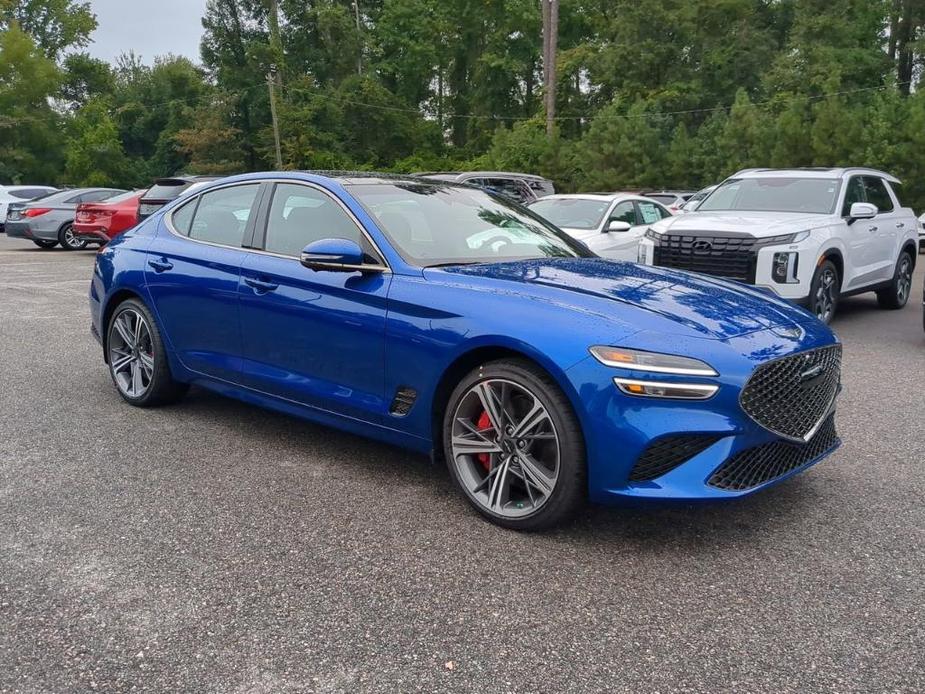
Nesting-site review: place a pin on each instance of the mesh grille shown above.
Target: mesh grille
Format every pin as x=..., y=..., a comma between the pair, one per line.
x=755, y=466
x=731, y=257
x=667, y=453
x=791, y=395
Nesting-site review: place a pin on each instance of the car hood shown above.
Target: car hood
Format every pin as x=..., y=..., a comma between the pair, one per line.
x=678, y=302
x=758, y=224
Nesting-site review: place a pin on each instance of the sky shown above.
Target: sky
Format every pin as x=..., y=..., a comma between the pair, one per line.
x=148, y=27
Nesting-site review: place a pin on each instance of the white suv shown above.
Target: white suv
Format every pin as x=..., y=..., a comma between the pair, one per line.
x=807, y=235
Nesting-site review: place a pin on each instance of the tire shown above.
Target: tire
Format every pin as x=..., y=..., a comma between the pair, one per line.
x=896, y=295
x=69, y=240
x=824, y=292
x=147, y=362
x=550, y=453
x=42, y=243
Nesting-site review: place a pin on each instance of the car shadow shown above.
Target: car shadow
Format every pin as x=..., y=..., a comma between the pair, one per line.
x=650, y=528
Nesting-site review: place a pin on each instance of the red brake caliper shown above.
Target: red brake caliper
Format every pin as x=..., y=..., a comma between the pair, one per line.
x=483, y=424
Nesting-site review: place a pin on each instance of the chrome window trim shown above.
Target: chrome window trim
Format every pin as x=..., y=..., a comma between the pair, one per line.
x=168, y=222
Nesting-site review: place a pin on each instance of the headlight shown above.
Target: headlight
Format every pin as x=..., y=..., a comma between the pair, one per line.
x=784, y=239
x=651, y=361
x=784, y=267
x=651, y=234
x=680, y=391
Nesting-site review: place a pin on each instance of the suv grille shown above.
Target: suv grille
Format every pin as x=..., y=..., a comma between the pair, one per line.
x=755, y=466
x=791, y=395
x=732, y=257
x=665, y=454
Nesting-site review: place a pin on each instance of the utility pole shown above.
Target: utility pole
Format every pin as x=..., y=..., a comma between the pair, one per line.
x=356, y=11
x=550, y=46
x=271, y=84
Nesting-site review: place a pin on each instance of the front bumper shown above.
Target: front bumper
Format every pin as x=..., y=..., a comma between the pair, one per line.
x=718, y=441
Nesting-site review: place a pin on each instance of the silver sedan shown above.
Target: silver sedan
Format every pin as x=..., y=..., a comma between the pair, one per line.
x=49, y=221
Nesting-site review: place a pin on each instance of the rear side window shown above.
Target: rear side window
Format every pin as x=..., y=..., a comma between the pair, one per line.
x=97, y=195
x=651, y=212
x=878, y=194
x=222, y=215
x=182, y=217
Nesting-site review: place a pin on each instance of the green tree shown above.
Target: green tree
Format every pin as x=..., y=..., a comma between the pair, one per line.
x=94, y=154
x=55, y=25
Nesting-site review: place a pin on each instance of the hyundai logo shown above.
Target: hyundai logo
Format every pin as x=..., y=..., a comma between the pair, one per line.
x=702, y=246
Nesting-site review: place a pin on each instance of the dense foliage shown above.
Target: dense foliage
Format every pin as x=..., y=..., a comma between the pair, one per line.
x=650, y=92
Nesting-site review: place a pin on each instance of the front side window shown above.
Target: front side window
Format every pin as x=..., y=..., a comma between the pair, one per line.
x=300, y=215
x=624, y=212
x=431, y=224
x=877, y=193
x=571, y=213
x=774, y=194
x=222, y=215
x=853, y=193
x=651, y=212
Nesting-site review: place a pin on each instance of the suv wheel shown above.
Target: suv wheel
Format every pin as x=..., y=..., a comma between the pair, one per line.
x=69, y=240
x=824, y=291
x=896, y=294
x=42, y=243
x=514, y=446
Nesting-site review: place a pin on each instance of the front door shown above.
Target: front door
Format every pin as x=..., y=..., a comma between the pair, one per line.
x=192, y=269
x=313, y=337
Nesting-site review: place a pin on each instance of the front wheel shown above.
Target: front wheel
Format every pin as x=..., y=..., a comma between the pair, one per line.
x=69, y=240
x=824, y=291
x=896, y=294
x=137, y=359
x=514, y=446
x=42, y=243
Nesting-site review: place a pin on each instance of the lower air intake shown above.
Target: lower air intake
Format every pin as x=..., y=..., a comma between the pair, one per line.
x=755, y=466
x=665, y=454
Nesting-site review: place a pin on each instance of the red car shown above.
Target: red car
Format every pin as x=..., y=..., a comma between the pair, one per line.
x=102, y=221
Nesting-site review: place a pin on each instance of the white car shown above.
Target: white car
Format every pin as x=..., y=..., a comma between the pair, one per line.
x=808, y=235
x=610, y=224
x=10, y=194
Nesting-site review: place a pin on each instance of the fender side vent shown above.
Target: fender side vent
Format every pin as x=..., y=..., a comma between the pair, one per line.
x=403, y=402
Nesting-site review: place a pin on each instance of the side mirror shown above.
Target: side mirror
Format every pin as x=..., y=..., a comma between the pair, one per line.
x=334, y=255
x=862, y=210
x=616, y=225
x=691, y=206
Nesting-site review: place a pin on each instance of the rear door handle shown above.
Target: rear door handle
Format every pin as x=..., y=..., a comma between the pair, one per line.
x=260, y=286
x=161, y=265
x=872, y=229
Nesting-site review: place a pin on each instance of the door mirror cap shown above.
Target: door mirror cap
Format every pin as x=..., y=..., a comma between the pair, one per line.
x=335, y=255
x=862, y=210
x=617, y=225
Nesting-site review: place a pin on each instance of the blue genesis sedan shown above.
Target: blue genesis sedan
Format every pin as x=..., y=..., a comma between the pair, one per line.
x=448, y=320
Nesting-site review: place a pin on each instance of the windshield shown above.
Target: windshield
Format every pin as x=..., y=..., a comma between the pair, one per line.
x=431, y=224
x=572, y=213
x=773, y=194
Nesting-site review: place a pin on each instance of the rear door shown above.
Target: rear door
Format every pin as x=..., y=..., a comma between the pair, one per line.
x=192, y=271
x=313, y=337
x=889, y=222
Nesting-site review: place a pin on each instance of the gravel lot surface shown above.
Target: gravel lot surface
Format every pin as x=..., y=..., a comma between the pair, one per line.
x=215, y=547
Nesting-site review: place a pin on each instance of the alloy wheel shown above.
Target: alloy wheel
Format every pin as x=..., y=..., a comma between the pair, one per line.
x=825, y=295
x=904, y=280
x=131, y=353
x=505, y=448
x=72, y=241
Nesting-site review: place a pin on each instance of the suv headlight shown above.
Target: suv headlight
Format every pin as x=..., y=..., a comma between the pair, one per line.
x=639, y=360
x=785, y=239
x=652, y=234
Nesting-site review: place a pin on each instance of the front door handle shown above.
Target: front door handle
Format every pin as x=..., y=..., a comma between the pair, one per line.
x=900, y=225
x=872, y=229
x=260, y=286
x=161, y=264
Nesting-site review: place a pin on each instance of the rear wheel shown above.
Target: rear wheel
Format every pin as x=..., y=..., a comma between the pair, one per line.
x=137, y=359
x=514, y=446
x=896, y=295
x=824, y=291
x=69, y=240
x=42, y=243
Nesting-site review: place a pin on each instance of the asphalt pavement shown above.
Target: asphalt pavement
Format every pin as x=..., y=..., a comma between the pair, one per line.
x=216, y=547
